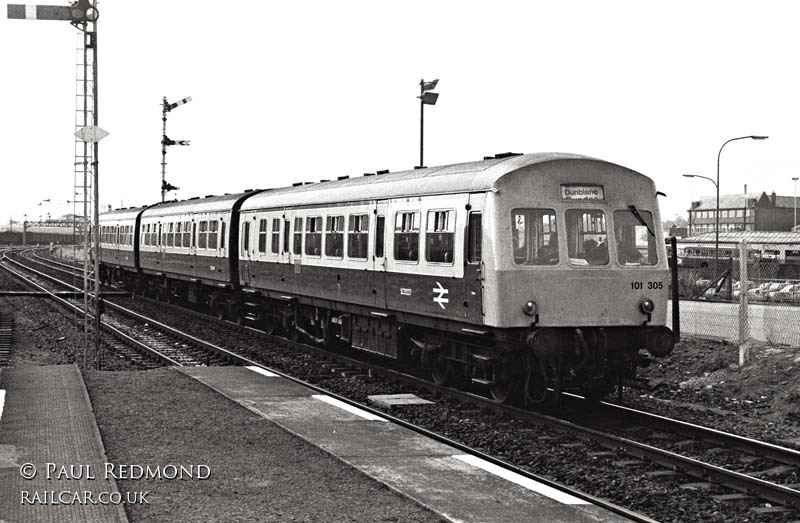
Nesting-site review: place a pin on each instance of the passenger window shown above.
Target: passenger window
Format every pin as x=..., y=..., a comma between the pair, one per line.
x=439, y=235
x=194, y=234
x=474, y=237
x=262, y=236
x=187, y=234
x=535, y=236
x=358, y=236
x=380, y=227
x=587, y=237
x=406, y=236
x=634, y=235
x=202, y=240
x=213, y=227
x=178, y=235
x=170, y=235
x=222, y=236
x=246, y=237
x=314, y=235
x=275, y=243
x=334, y=236
x=298, y=236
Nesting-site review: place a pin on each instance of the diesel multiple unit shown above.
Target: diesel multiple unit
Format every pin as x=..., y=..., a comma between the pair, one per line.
x=518, y=272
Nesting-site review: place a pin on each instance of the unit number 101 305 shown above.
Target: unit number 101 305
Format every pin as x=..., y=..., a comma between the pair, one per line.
x=650, y=285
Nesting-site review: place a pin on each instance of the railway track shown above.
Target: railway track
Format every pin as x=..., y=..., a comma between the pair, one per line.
x=668, y=447
x=142, y=340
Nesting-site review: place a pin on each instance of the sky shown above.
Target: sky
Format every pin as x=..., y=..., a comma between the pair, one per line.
x=286, y=92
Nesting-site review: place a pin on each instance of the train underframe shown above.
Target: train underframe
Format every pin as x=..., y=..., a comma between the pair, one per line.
x=532, y=365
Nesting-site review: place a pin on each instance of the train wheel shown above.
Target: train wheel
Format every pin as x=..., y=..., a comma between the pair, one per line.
x=503, y=385
x=440, y=370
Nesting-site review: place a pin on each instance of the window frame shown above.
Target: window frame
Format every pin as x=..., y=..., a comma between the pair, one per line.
x=400, y=230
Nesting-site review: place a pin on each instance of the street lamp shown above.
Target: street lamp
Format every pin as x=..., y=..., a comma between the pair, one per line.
x=705, y=178
x=425, y=98
x=716, y=226
x=794, y=179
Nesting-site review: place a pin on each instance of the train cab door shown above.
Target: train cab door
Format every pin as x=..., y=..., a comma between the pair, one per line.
x=380, y=220
x=473, y=263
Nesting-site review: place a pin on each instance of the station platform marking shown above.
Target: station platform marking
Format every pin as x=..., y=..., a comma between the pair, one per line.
x=521, y=480
x=435, y=475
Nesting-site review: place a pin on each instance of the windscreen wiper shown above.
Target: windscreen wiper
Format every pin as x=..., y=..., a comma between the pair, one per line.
x=635, y=212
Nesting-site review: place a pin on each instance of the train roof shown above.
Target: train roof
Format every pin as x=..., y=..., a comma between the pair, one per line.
x=223, y=202
x=121, y=214
x=480, y=176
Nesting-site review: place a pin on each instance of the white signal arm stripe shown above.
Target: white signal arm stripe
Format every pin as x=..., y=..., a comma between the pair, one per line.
x=30, y=12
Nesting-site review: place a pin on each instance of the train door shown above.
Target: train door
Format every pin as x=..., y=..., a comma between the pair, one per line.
x=244, y=251
x=380, y=220
x=161, y=242
x=473, y=263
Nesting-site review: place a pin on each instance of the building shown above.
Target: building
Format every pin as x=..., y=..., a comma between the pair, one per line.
x=742, y=212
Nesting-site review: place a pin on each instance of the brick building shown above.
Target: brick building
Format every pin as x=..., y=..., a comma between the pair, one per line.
x=743, y=212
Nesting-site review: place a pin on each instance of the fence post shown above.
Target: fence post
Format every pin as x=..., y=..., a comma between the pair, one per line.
x=676, y=314
x=744, y=326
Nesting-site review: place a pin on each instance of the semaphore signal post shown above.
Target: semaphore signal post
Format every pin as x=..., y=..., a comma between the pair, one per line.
x=83, y=15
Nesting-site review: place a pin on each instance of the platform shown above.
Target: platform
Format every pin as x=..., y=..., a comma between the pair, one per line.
x=46, y=419
x=455, y=486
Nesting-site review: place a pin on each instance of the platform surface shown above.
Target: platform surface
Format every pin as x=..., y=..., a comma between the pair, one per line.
x=46, y=421
x=455, y=486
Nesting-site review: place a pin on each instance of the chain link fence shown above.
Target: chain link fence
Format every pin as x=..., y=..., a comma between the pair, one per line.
x=722, y=298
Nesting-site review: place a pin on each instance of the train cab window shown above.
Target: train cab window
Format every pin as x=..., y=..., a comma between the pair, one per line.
x=275, y=242
x=187, y=234
x=334, y=236
x=635, y=237
x=286, y=232
x=213, y=230
x=262, y=236
x=245, y=237
x=202, y=236
x=587, y=237
x=358, y=236
x=314, y=235
x=406, y=236
x=535, y=236
x=474, y=237
x=439, y=236
x=297, y=242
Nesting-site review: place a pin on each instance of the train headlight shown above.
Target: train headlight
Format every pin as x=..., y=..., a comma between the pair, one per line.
x=647, y=306
x=530, y=308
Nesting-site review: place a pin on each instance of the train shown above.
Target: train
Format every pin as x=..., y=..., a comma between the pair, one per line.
x=521, y=274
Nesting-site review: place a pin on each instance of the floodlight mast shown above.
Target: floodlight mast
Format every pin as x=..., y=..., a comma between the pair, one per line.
x=425, y=98
x=165, y=141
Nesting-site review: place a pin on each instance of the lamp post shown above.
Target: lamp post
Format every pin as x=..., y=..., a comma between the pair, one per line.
x=794, y=179
x=425, y=98
x=716, y=226
x=705, y=178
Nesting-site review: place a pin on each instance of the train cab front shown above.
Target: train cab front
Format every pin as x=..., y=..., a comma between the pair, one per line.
x=587, y=278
